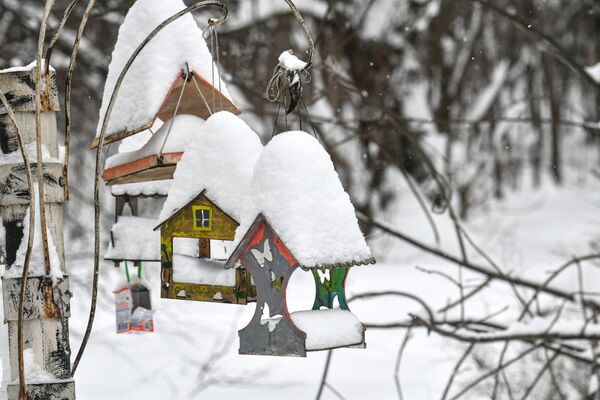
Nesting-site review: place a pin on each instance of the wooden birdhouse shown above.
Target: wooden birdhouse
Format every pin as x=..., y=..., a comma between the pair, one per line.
x=173, y=76
x=199, y=218
x=299, y=217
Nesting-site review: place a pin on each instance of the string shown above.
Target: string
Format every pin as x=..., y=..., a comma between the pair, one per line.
x=276, y=118
x=216, y=34
x=309, y=119
x=175, y=111
x=201, y=94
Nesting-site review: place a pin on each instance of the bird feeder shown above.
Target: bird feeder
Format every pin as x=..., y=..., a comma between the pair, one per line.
x=204, y=204
x=133, y=306
x=173, y=76
x=302, y=219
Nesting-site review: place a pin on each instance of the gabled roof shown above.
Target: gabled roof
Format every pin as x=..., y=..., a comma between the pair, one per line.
x=152, y=86
x=297, y=191
x=161, y=222
x=219, y=160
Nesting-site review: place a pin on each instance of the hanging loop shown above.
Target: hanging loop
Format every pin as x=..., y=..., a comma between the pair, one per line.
x=311, y=42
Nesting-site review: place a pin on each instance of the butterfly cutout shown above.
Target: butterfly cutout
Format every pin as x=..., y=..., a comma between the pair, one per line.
x=324, y=275
x=266, y=319
x=266, y=254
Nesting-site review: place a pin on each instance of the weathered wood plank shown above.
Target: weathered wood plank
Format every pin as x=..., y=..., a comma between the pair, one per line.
x=61, y=390
x=39, y=298
x=13, y=183
x=19, y=89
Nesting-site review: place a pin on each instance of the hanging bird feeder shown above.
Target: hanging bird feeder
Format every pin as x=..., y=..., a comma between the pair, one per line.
x=203, y=206
x=299, y=217
x=133, y=306
x=173, y=76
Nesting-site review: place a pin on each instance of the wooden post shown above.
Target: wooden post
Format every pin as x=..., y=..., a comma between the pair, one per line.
x=46, y=310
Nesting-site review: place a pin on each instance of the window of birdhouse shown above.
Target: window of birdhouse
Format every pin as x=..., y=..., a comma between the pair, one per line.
x=202, y=218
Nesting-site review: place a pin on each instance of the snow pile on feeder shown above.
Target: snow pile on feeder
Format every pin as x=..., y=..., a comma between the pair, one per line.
x=220, y=161
x=295, y=187
x=170, y=138
x=150, y=87
x=133, y=239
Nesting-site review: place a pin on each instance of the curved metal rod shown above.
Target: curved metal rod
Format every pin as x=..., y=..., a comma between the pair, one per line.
x=311, y=42
x=193, y=7
x=57, y=33
x=68, y=86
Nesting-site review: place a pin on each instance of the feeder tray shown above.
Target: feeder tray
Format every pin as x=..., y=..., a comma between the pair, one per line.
x=150, y=168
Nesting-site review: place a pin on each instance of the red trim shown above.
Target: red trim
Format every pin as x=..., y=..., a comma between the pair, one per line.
x=140, y=165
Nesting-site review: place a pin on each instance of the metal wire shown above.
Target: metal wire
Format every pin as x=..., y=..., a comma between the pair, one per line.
x=201, y=94
x=174, y=112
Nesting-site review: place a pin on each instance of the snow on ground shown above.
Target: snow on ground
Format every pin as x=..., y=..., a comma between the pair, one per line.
x=529, y=232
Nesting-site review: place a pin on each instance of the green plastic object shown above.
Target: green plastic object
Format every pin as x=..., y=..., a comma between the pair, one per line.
x=330, y=284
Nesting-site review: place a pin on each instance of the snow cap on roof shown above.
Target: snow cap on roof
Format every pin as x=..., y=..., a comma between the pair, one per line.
x=295, y=187
x=151, y=75
x=174, y=134
x=220, y=160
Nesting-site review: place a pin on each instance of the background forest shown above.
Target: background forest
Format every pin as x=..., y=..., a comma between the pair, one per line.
x=443, y=117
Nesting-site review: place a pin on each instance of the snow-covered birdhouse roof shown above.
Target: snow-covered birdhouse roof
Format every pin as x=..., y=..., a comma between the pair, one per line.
x=219, y=161
x=156, y=159
x=153, y=85
x=296, y=189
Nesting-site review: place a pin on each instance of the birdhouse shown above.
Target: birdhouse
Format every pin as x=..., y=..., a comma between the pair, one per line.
x=298, y=217
x=172, y=77
x=132, y=237
x=199, y=218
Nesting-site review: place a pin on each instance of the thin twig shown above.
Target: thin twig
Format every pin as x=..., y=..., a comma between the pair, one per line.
x=456, y=369
x=324, y=376
x=539, y=376
x=68, y=89
x=407, y=337
x=487, y=375
x=481, y=269
x=57, y=33
x=528, y=26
